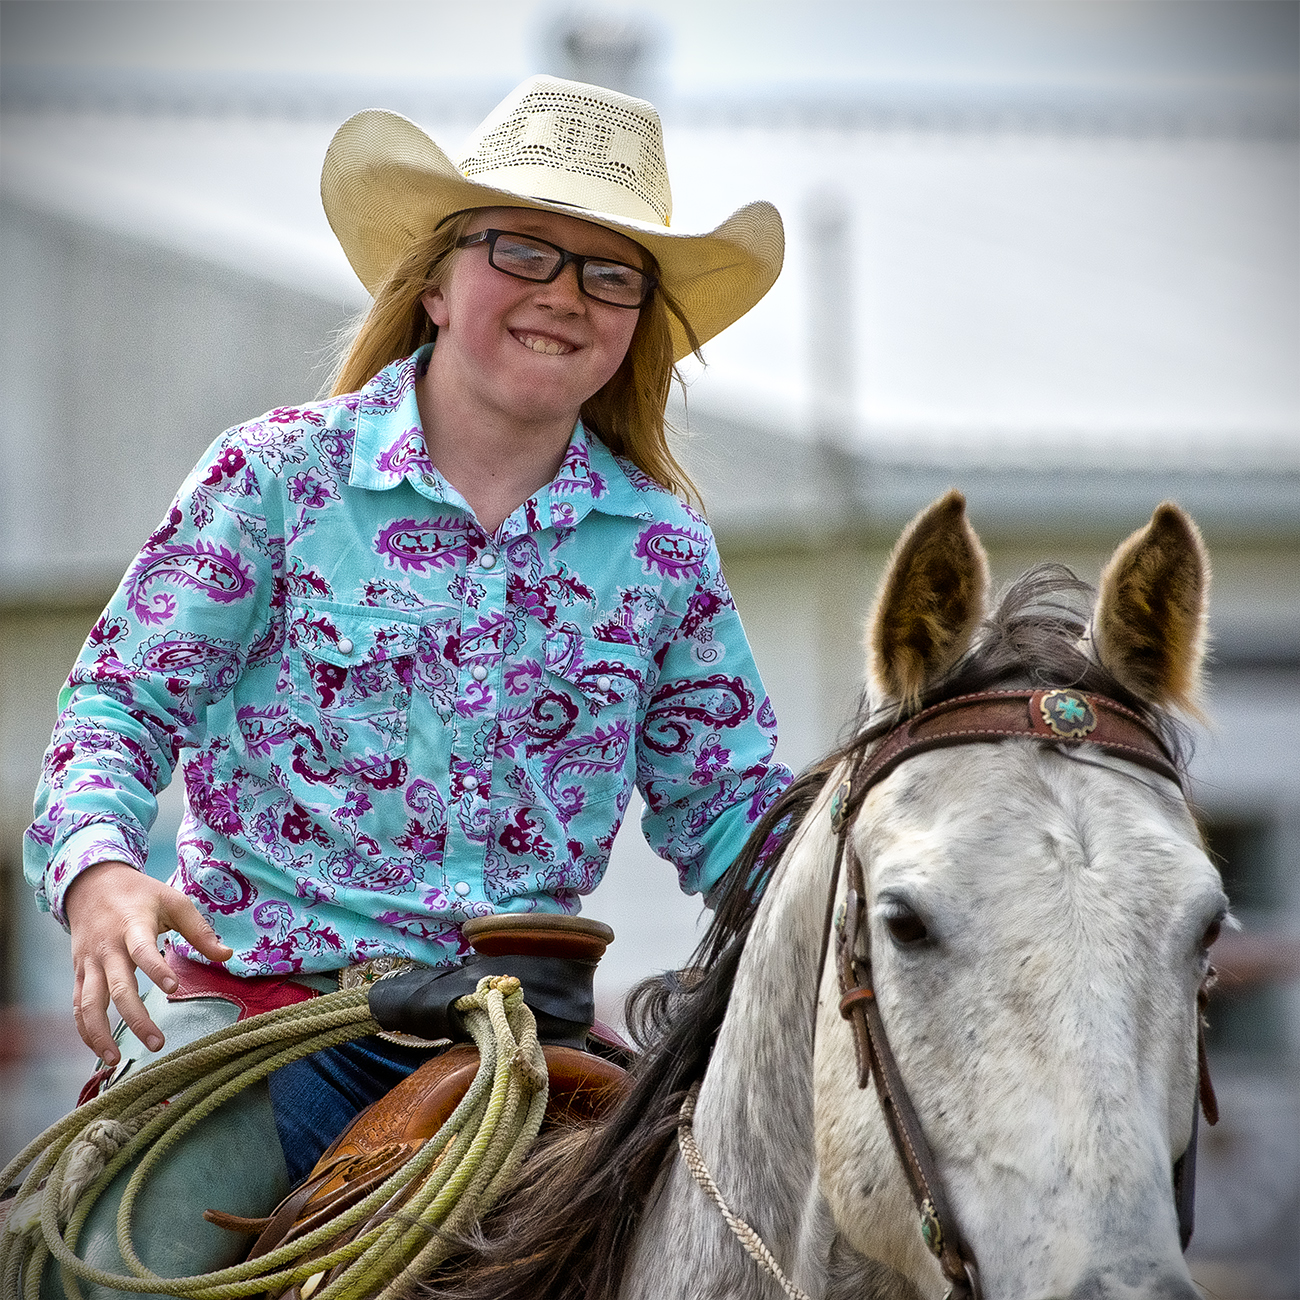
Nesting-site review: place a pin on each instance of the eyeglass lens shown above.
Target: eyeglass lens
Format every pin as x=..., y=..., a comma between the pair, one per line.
x=534, y=259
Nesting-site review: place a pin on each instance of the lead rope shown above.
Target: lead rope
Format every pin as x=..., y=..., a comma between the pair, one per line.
x=452, y=1179
x=745, y=1234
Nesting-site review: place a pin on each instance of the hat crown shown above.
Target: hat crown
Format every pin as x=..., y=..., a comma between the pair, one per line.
x=583, y=146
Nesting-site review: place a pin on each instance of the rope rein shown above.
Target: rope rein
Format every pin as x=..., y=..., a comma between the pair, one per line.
x=450, y=1181
x=745, y=1234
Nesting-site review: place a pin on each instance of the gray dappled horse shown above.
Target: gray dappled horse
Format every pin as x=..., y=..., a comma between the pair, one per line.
x=1038, y=915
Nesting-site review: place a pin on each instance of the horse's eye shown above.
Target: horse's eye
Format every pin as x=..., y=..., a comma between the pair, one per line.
x=905, y=928
x=1212, y=932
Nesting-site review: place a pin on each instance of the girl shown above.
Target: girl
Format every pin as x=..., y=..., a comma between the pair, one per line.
x=417, y=643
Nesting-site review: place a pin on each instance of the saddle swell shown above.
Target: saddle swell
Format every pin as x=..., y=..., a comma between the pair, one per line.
x=583, y=1087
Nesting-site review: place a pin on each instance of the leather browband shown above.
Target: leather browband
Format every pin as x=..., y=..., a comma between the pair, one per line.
x=999, y=715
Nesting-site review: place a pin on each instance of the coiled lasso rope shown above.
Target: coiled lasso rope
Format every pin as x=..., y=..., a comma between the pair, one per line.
x=449, y=1182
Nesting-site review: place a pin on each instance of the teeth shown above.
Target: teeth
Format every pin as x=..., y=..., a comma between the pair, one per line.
x=547, y=346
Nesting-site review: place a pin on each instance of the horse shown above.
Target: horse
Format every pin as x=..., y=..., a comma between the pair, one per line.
x=1034, y=911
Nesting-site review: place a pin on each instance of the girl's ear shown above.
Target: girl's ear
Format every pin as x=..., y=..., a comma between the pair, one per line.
x=929, y=603
x=436, y=305
x=1149, y=625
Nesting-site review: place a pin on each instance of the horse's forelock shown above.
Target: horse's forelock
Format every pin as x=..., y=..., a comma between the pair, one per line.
x=1034, y=635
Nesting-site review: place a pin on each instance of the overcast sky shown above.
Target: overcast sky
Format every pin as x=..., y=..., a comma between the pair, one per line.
x=706, y=45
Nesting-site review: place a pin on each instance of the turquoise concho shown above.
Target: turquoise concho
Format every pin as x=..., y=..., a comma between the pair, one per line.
x=840, y=806
x=1067, y=714
x=931, y=1229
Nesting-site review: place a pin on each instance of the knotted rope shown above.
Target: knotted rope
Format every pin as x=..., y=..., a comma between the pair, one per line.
x=97, y=1145
x=449, y=1182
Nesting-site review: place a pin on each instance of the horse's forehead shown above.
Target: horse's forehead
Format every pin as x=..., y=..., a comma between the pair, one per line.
x=982, y=810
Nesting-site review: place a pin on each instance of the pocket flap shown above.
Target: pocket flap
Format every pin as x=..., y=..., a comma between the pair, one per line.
x=348, y=635
x=605, y=672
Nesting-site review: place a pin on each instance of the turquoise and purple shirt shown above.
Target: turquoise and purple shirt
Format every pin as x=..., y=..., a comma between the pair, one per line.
x=388, y=720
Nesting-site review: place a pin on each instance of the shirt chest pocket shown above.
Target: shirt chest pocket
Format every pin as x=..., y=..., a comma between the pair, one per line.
x=581, y=730
x=351, y=674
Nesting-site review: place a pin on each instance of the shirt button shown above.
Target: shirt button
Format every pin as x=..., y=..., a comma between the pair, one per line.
x=488, y=559
x=478, y=672
x=345, y=645
x=603, y=684
x=462, y=887
x=470, y=783
x=427, y=480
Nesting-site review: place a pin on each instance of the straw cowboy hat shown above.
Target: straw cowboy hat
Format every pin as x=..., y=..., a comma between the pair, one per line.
x=558, y=146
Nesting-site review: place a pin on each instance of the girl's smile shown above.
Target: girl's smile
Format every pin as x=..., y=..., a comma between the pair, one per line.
x=537, y=343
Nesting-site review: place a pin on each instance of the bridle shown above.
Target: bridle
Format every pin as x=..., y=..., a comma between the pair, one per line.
x=1060, y=716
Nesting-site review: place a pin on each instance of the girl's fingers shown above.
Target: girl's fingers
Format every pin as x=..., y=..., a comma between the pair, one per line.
x=141, y=942
x=181, y=915
x=122, y=988
x=89, y=1007
x=116, y=917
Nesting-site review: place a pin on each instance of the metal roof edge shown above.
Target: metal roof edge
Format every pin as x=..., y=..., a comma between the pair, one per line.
x=1201, y=107
x=764, y=487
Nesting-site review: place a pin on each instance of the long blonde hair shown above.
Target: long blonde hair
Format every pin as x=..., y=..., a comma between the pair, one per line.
x=627, y=414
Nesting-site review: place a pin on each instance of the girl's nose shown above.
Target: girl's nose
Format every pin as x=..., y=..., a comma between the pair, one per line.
x=564, y=292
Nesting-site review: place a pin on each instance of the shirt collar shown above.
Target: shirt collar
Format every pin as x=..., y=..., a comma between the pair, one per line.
x=389, y=446
x=389, y=449
x=589, y=478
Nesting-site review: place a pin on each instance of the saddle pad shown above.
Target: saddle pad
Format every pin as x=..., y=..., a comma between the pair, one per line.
x=252, y=994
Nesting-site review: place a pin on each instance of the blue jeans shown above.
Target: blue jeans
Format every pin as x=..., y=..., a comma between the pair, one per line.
x=314, y=1099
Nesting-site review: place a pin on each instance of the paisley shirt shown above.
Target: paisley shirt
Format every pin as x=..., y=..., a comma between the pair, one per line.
x=390, y=720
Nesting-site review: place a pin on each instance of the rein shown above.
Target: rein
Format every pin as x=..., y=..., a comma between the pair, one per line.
x=1057, y=716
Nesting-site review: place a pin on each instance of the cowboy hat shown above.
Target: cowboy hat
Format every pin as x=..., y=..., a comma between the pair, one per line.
x=557, y=146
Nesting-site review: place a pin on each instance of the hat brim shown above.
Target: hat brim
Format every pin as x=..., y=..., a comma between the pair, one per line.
x=385, y=183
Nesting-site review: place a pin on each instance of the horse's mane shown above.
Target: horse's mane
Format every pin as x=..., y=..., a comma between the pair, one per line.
x=566, y=1231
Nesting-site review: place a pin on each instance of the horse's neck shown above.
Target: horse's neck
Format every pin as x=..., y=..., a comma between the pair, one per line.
x=754, y=1123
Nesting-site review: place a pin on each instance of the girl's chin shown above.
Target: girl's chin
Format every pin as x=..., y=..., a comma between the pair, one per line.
x=534, y=400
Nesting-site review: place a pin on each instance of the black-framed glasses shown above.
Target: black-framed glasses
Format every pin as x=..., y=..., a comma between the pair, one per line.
x=528, y=258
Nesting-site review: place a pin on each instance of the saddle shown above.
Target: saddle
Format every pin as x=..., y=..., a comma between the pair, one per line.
x=583, y=1086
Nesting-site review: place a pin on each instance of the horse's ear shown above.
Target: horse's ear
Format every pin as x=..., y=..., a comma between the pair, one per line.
x=929, y=603
x=1149, y=626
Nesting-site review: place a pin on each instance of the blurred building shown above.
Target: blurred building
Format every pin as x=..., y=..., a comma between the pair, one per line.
x=1072, y=302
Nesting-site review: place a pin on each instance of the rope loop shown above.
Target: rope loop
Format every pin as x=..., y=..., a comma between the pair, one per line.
x=450, y=1181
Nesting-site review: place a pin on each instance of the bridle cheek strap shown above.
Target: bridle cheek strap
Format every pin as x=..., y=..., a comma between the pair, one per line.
x=1067, y=717
x=876, y=1061
x=1185, y=1165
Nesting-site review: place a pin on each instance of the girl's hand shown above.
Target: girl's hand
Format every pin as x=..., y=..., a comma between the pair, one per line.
x=116, y=914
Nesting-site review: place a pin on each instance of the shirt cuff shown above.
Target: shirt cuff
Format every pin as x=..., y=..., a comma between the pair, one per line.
x=720, y=845
x=88, y=847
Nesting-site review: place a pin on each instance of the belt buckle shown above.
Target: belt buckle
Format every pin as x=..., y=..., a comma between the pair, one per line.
x=364, y=974
x=370, y=971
